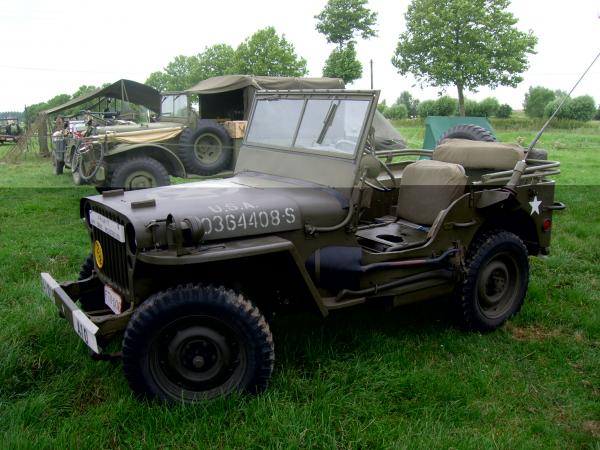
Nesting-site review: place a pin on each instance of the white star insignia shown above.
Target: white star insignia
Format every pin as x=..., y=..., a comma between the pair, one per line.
x=535, y=205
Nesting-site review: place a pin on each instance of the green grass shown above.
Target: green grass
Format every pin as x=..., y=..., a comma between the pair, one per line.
x=361, y=378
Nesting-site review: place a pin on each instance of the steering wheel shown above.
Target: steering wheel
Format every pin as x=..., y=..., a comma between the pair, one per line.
x=370, y=178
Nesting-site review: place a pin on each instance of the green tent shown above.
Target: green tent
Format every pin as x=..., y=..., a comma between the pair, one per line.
x=436, y=126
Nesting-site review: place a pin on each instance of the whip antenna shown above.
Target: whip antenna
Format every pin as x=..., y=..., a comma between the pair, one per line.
x=539, y=135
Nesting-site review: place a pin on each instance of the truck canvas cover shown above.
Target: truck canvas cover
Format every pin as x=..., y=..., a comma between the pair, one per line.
x=125, y=90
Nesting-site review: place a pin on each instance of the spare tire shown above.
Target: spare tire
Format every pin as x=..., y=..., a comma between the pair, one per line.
x=468, y=131
x=207, y=150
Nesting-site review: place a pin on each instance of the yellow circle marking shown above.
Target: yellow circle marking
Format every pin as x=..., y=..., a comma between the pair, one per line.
x=98, y=254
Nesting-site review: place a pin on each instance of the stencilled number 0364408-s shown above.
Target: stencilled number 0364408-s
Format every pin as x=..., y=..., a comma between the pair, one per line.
x=245, y=220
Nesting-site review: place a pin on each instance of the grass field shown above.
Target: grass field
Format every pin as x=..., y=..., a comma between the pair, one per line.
x=359, y=379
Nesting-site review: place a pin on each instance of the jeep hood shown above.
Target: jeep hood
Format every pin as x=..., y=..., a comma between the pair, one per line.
x=248, y=204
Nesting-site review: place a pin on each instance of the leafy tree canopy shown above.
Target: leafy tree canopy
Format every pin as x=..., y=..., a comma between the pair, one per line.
x=342, y=63
x=536, y=100
x=341, y=20
x=463, y=43
x=263, y=53
x=266, y=53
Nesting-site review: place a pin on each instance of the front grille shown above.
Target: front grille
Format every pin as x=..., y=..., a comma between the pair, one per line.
x=115, y=254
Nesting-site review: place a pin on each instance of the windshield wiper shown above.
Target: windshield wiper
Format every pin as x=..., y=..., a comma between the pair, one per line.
x=328, y=121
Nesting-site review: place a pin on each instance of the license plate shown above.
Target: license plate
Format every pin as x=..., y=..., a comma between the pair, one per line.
x=113, y=300
x=85, y=329
x=109, y=226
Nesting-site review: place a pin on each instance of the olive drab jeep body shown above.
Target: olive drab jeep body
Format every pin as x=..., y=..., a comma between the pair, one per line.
x=313, y=218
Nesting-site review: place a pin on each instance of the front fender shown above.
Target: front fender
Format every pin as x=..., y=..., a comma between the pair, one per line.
x=236, y=250
x=159, y=152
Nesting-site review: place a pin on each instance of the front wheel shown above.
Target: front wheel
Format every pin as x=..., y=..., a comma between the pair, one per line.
x=496, y=280
x=139, y=173
x=196, y=343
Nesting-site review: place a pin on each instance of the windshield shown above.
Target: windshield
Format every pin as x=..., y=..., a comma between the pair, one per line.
x=174, y=106
x=319, y=125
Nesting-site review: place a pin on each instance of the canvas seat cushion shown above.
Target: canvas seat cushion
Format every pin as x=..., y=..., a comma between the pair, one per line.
x=427, y=187
x=479, y=155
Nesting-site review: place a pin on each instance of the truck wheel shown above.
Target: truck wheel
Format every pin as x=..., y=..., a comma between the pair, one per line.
x=139, y=173
x=470, y=132
x=195, y=343
x=95, y=301
x=497, y=275
x=207, y=150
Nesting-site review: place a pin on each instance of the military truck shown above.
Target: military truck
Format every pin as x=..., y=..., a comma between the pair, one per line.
x=10, y=130
x=313, y=219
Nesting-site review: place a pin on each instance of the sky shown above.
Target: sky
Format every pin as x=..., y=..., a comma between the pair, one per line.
x=52, y=47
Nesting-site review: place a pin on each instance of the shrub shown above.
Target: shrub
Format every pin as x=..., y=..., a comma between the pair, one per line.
x=396, y=111
x=382, y=107
x=504, y=111
x=489, y=106
x=426, y=108
x=536, y=101
x=472, y=108
x=554, y=104
x=445, y=106
x=582, y=108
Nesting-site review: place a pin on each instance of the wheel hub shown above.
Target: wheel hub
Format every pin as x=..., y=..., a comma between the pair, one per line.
x=140, y=180
x=207, y=148
x=199, y=354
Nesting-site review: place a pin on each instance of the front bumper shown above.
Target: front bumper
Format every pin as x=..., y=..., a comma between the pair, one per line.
x=83, y=326
x=94, y=328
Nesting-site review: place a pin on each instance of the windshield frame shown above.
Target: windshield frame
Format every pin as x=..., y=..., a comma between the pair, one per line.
x=306, y=96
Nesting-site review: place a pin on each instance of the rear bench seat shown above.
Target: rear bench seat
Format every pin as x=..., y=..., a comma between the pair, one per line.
x=479, y=157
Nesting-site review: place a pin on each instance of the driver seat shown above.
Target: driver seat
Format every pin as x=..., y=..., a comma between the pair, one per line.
x=428, y=187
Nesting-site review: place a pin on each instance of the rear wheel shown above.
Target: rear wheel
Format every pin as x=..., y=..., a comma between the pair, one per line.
x=139, y=173
x=496, y=281
x=195, y=343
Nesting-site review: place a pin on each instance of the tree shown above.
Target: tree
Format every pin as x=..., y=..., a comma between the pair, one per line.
x=396, y=111
x=342, y=63
x=216, y=60
x=445, y=106
x=158, y=80
x=426, y=108
x=489, y=106
x=536, y=100
x=84, y=89
x=266, y=53
x=410, y=102
x=341, y=20
x=463, y=43
x=179, y=74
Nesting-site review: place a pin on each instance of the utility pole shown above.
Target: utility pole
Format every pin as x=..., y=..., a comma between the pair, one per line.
x=371, y=62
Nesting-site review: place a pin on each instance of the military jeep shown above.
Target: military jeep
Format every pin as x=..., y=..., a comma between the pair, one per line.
x=312, y=219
